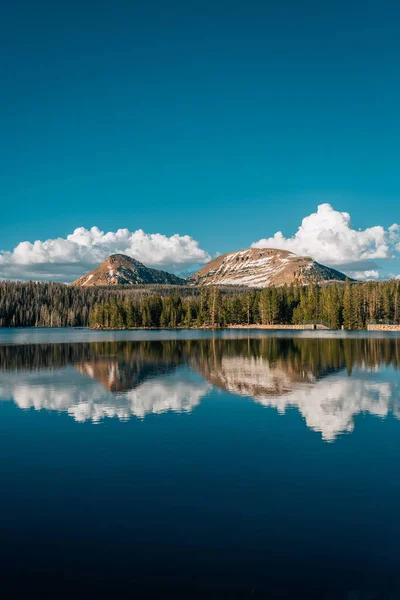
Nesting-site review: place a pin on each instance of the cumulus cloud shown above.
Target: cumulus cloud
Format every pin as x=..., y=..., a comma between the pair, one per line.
x=67, y=258
x=327, y=236
x=367, y=275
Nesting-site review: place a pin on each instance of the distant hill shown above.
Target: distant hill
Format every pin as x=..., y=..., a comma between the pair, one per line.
x=262, y=267
x=119, y=269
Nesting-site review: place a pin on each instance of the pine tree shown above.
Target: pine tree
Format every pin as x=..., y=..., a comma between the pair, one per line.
x=347, y=306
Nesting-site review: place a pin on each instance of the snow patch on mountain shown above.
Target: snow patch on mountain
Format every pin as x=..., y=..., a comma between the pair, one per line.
x=261, y=267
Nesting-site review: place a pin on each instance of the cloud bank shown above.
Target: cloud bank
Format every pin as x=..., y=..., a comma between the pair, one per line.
x=327, y=236
x=64, y=259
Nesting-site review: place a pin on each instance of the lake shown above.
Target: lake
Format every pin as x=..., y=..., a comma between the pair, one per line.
x=191, y=464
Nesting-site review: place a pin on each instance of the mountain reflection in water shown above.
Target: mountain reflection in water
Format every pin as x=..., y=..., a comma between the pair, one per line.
x=328, y=380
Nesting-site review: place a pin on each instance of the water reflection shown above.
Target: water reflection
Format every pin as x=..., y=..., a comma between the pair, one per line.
x=329, y=381
x=85, y=399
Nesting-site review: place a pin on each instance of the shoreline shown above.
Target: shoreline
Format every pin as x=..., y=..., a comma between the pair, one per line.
x=277, y=327
x=254, y=327
x=301, y=327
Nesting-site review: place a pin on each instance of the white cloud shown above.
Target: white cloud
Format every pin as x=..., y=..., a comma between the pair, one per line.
x=368, y=275
x=327, y=236
x=67, y=258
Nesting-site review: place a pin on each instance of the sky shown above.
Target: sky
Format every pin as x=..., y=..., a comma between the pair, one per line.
x=174, y=131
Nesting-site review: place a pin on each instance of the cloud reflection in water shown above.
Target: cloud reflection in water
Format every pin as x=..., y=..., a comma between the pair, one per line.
x=329, y=382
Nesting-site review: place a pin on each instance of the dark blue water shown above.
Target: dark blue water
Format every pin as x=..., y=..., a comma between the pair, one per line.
x=263, y=466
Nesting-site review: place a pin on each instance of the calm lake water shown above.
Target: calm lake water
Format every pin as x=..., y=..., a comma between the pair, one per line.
x=199, y=464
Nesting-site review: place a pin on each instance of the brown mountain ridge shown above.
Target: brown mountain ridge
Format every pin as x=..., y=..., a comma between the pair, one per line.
x=263, y=267
x=119, y=269
x=253, y=268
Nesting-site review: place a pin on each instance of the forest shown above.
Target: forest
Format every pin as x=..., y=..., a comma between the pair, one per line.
x=351, y=305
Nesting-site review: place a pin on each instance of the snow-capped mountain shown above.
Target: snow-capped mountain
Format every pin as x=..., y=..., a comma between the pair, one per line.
x=119, y=269
x=262, y=267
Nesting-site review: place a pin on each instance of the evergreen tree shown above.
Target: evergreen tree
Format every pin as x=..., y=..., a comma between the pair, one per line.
x=348, y=315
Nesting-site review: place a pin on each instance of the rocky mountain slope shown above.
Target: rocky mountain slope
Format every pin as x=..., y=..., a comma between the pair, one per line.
x=119, y=269
x=261, y=267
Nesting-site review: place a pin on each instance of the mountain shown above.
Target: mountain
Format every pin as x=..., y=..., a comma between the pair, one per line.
x=255, y=267
x=262, y=267
x=119, y=269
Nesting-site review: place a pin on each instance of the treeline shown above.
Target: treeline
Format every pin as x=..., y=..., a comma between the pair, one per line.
x=40, y=304
x=135, y=360
x=336, y=305
x=348, y=305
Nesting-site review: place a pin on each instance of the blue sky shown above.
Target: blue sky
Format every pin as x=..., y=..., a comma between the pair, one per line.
x=226, y=122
